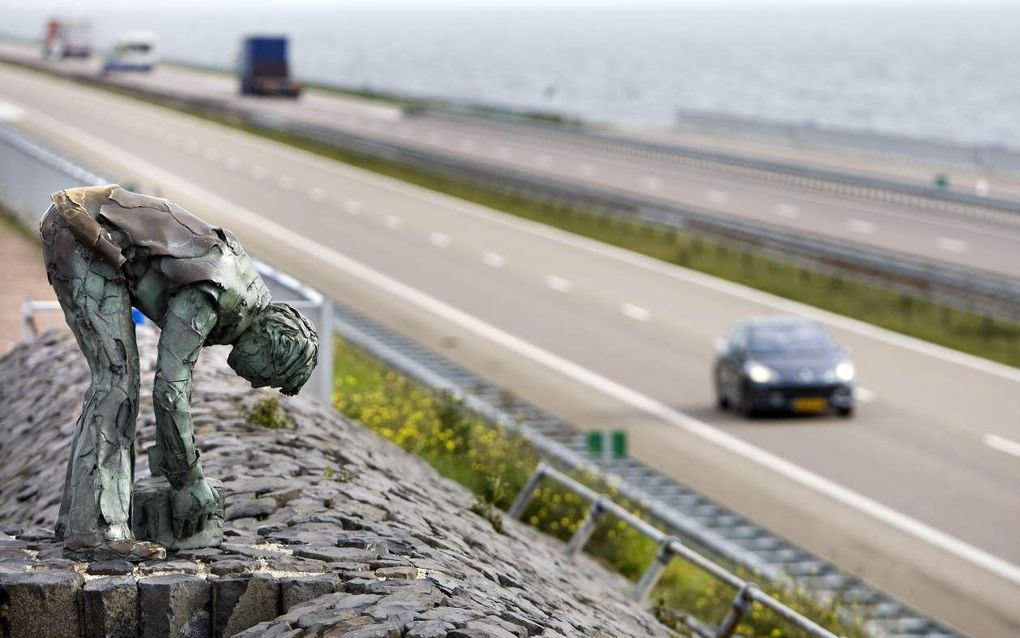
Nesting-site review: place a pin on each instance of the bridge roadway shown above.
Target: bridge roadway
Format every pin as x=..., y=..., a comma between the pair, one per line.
x=941, y=236
x=918, y=494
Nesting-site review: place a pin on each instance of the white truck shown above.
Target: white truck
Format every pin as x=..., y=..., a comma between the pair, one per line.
x=67, y=39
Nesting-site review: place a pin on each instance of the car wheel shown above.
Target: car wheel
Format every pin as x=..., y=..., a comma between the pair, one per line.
x=746, y=405
x=846, y=413
x=722, y=402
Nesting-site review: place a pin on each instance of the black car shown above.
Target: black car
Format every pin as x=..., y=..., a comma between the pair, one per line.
x=783, y=364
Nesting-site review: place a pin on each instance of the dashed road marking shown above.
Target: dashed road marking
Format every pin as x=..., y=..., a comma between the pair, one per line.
x=393, y=222
x=439, y=240
x=559, y=284
x=352, y=207
x=494, y=259
x=862, y=226
x=789, y=211
x=1002, y=444
x=635, y=312
x=652, y=183
x=952, y=245
x=316, y=194
x=864, y=395
x=11, y=112
x=717, y=197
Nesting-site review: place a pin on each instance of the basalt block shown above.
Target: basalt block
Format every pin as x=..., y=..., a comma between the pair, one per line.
x=43, y=604
x=111, y=607
x=177, y=605
x=152, y=517
x=240, y=602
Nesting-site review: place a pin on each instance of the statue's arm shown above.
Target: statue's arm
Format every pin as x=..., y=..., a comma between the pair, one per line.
x=190, y=318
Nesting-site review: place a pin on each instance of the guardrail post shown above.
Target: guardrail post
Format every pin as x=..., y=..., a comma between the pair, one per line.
x=587, y=526
x=524, y=496
x=653, y=571
x=27, y=322
x=741, y=603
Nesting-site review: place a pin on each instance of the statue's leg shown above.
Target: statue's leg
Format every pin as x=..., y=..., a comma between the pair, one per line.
x=96, y=506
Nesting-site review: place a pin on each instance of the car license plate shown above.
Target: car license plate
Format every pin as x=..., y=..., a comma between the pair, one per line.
x=810, y=404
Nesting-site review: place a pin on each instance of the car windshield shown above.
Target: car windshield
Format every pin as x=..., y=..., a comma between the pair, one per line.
x=789, y=337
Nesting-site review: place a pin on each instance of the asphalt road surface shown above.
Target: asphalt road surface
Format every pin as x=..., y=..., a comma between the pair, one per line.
x=918, y=494
x=988, y=245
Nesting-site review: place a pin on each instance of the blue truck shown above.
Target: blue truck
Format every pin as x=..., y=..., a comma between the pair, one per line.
x=264, y=67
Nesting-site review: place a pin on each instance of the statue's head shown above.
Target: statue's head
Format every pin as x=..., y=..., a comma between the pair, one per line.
x=279, y=349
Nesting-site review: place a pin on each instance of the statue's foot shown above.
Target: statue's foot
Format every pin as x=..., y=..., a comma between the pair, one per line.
x=127, y=549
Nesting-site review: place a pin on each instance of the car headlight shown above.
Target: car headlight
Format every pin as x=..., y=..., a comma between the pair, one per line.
x=845, y=371
x=759, y=373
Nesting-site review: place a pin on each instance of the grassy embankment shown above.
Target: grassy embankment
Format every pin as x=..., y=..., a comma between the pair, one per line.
x=968, y=332
x=494, y=464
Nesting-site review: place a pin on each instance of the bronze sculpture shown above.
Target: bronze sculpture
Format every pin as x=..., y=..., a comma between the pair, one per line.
x=106, y=250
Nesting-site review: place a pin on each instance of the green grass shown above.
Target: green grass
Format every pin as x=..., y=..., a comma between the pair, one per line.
x=968, y=332
x=494, y=464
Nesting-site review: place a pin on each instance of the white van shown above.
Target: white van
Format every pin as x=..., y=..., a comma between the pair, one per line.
x=135, y=51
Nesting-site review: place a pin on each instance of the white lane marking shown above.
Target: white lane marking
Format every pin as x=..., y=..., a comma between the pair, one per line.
x=241, y=216
x=789, y=211
x=565, y=238
x=1002, y=444
x=652, y=183
x=316, y=194
x=862, y=226
x=211, y=154
x=467, y=144
x=559, y=284
x=11, y=112
x=952, y=245
x=439, y=239
x=233, y=163
x=286, y=182
x=981, y=187
x=717, y=197
x=864, y=395
x=503, y=152
x=352, y=207
x=543, y=160
x=258, y=172
x=494, y=259
x=586, y=169
x=392, y=222
x=635, y=312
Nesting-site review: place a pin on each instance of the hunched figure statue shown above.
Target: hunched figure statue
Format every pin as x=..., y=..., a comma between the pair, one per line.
x=106, y=250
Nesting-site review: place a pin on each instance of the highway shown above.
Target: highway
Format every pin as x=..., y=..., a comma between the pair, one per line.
x=989, y=245
x=918, y=495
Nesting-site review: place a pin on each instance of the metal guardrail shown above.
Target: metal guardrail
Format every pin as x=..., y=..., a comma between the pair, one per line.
x=681, y=510
x=969, y=289
x=670, y=547
x=873, y=187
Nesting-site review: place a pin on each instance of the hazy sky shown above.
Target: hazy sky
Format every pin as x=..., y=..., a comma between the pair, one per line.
x=85, y=5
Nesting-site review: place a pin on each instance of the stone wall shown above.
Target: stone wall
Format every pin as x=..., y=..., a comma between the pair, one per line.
x=331, y=531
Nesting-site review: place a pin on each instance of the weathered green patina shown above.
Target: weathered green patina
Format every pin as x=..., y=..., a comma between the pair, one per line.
x=106, y=250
